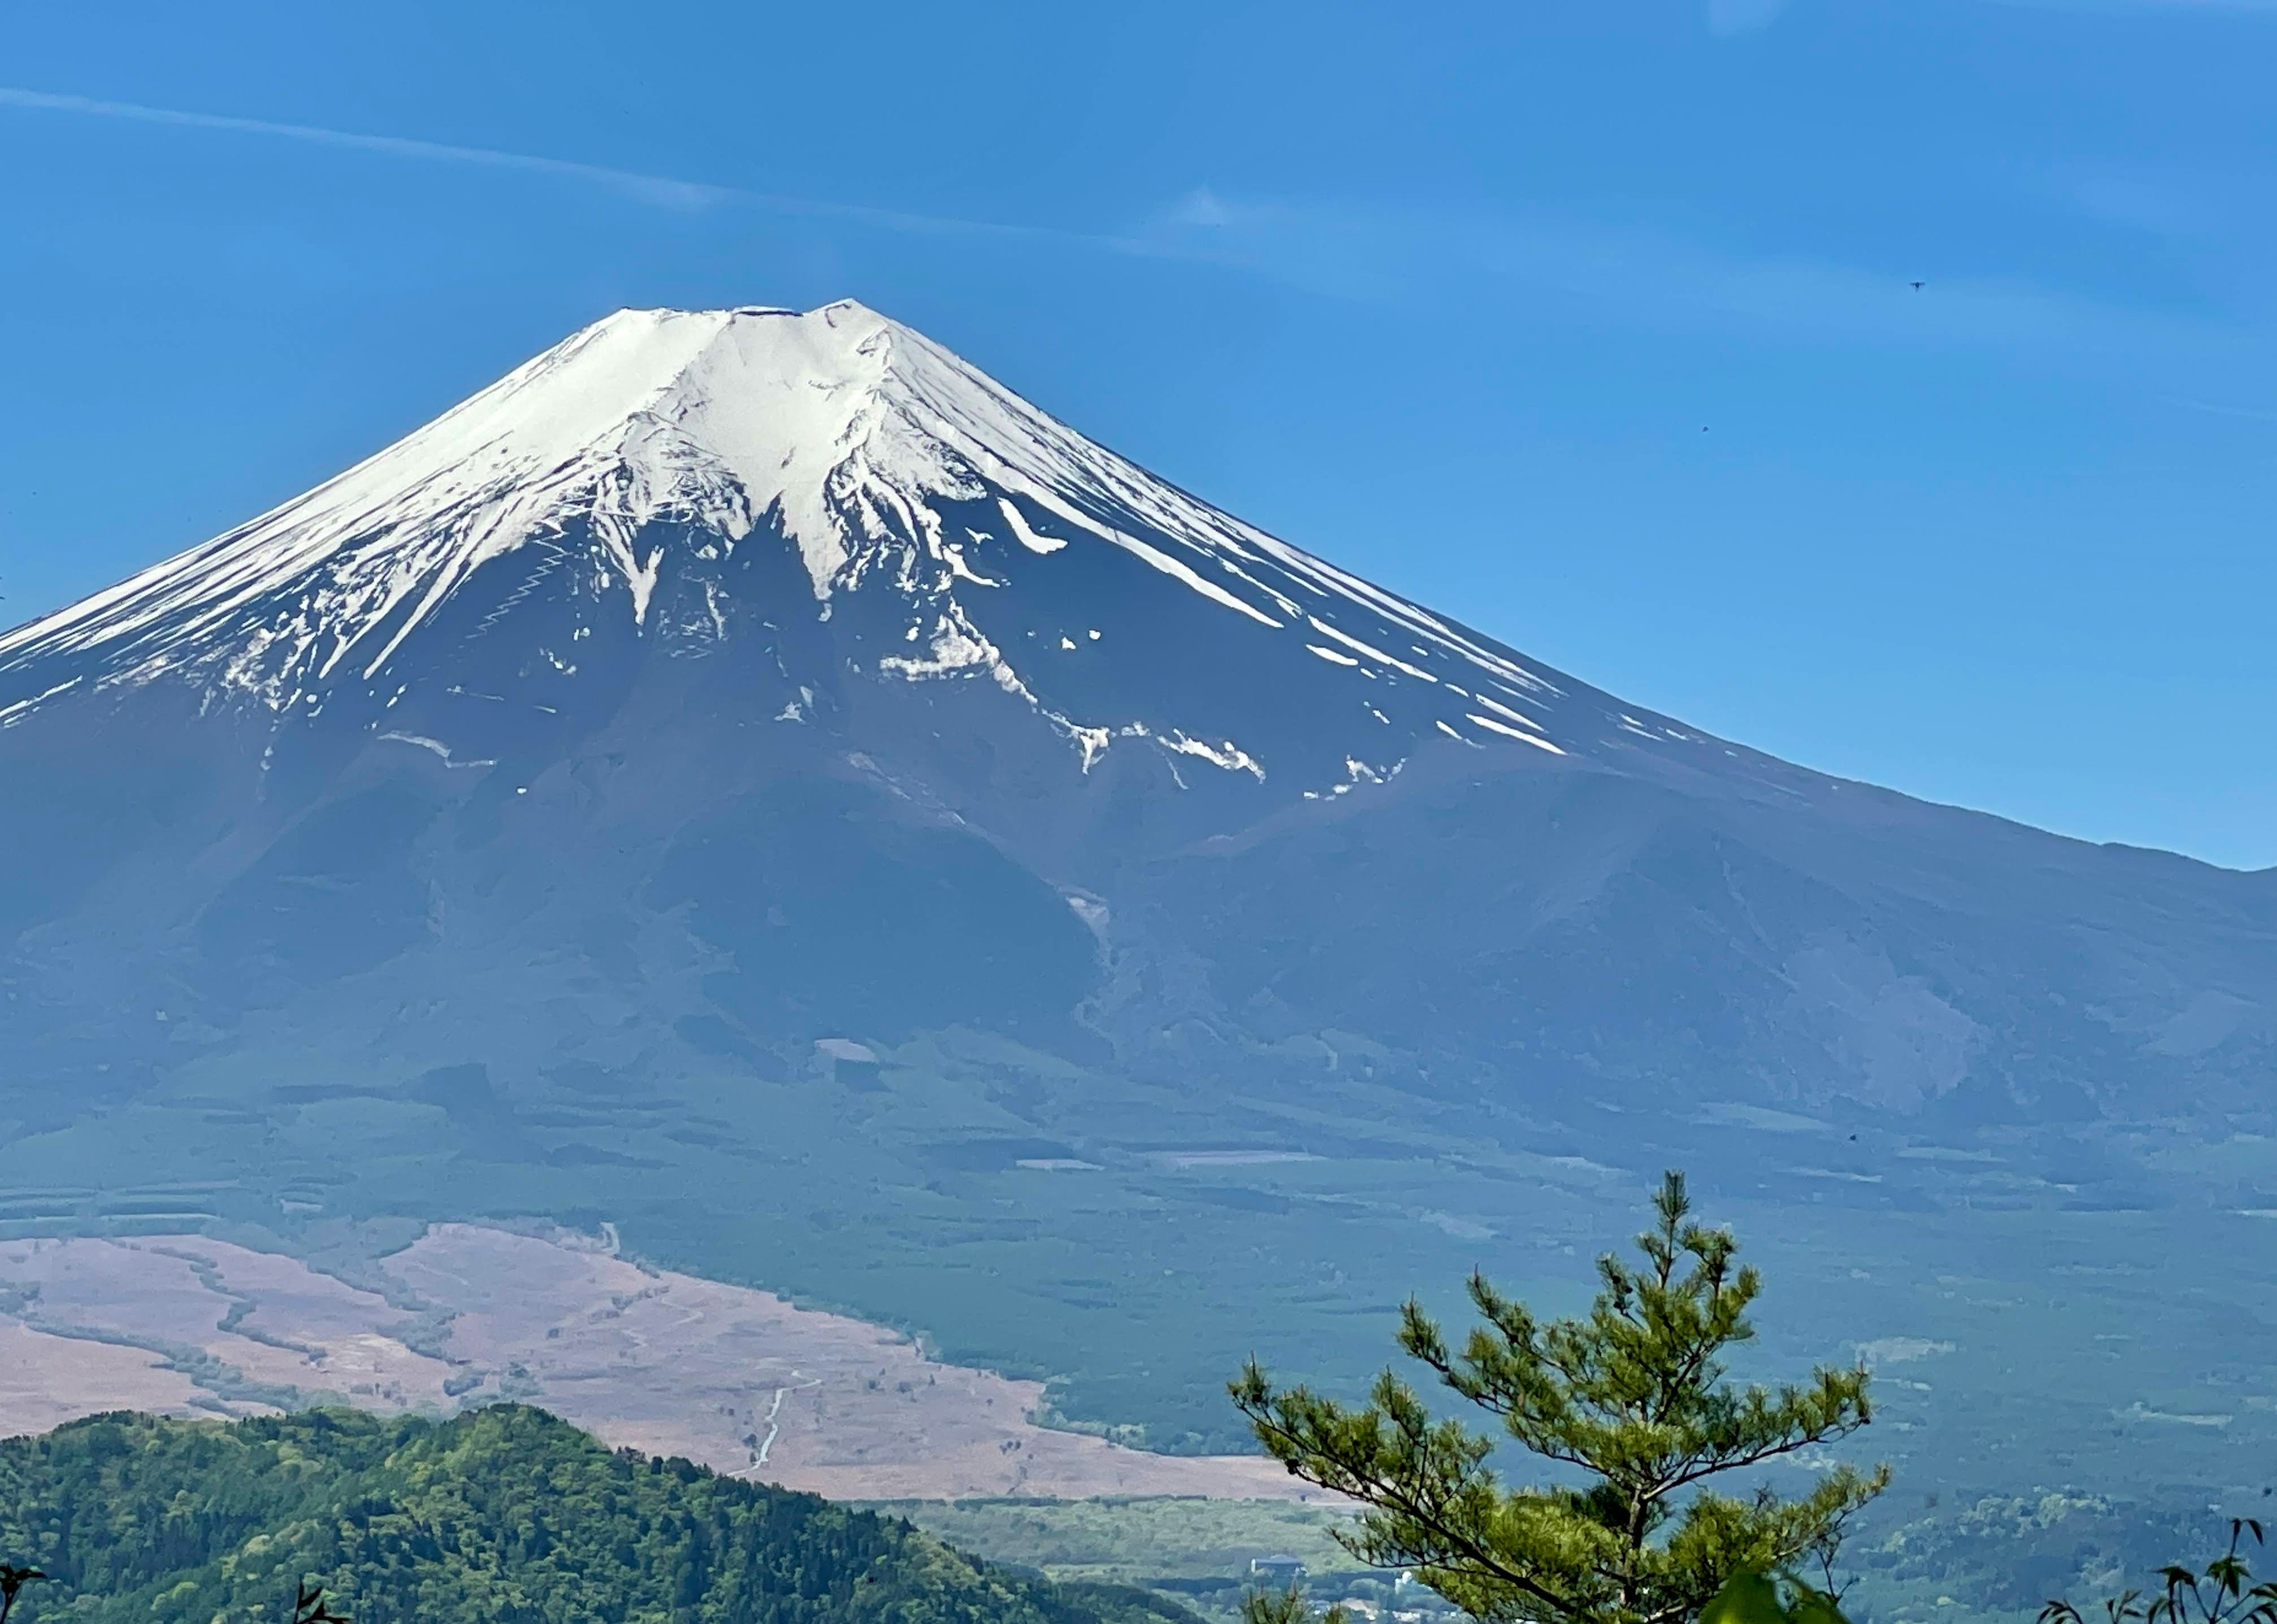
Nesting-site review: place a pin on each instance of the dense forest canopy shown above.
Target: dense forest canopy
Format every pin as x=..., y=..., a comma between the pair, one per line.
x=503, y=1515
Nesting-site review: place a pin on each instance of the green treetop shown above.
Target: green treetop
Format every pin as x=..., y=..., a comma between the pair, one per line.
x=1631, y=1402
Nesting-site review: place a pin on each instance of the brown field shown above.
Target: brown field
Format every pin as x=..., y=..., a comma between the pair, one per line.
x=668, y=1363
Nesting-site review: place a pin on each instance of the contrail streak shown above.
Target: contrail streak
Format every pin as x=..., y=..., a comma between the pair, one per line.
x=649, y=188
x=661, y=190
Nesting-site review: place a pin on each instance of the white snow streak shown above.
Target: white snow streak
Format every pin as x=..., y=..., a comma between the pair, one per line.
x=1507, y=731
x=1373, y=653
x=1028, y=537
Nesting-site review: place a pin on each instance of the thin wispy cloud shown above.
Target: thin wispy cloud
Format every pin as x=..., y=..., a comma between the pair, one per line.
x=1742, y=16
x=1734, y=17
x=2215, y=408
x=2265, y=8
x=1654, y=276
x=1346, y=250
x=661, y=191
x=647, y=188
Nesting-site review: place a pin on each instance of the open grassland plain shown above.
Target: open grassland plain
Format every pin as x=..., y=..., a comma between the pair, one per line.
x=2048, y=1324
x=731, y=1379
x=2040, y=1318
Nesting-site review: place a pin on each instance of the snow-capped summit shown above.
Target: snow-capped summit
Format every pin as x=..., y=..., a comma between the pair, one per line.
x=718, y=682
x=983, y=539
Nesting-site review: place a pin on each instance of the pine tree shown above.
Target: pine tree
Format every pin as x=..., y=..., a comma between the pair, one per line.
x=13, y=1579
x=1630, y=1401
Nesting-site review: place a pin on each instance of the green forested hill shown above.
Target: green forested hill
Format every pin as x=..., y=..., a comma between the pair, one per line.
x=503, y=1515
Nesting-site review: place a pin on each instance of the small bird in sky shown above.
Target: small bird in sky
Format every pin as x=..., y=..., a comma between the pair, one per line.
x=1917, y=286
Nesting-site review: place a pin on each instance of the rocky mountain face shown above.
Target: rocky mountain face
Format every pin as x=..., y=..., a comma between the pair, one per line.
x=759, y=677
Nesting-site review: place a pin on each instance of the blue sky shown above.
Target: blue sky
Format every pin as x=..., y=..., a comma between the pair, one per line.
x=1587, y=321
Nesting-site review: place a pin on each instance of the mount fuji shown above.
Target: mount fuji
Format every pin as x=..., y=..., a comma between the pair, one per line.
x=651, y=482
x=751, y=774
